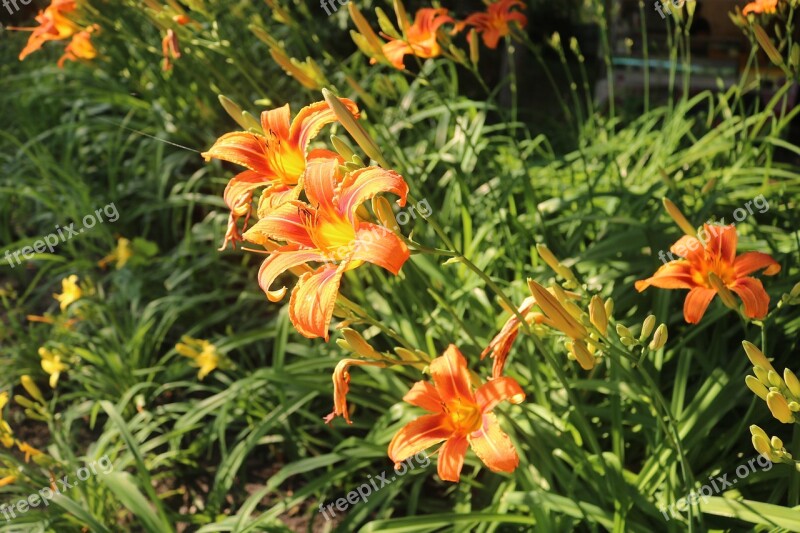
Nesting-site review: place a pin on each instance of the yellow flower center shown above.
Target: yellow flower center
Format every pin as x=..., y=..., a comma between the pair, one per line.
x=465, y=418
x=288, y=162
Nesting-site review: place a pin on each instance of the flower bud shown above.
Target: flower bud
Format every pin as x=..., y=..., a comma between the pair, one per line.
x=762, y=446
x=32, y=389
x=647, y=327
x=757, y=387
x=776, y=443
x=660, y=338
x=779, y=407
x=756, y=356
x=756, y=430
x=792, y=383
x=609, y=306
x=597, y=314
x=622, y=331
x=678, y=217
x=582, y=355
x=774, y=379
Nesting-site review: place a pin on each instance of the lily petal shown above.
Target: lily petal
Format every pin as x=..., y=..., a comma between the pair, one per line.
x=752, y=293
x=381, y=247
x=749, y=262
x=696, y=303
x=451, y=458
x=723, y=242
x=498, y=390
x=493, y=446
x=279, y=262
x=311, y=119
x=673, y=275
x=424, y=395
x=418, y=435
x=277, y=121
x=451, y=376
x=242, y=148
x=313, y=299
x=365, y=183
x=283, y=223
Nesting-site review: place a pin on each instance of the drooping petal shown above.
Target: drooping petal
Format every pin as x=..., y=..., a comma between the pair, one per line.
x=749, y=262
x=395, y=51
x=365, y=183
x=498, y=390
x=239, y=191
x=278, y=263
x=341, y=386
x=493, y=446
x=451, y=458
x=313, y=299
x=673, y=275
x=242, y=148
x=311, y=119
x=424, y=395
x=501, y=344
x=752, y=293
x=696, y=304
x=284, y=223
x=723, y=242
x=418, y=435
x=379, y=246
x=277, y=195
x=277, y=121
x=451, y=376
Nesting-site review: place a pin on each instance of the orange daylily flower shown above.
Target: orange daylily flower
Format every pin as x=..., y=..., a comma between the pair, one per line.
x=761, y=6
x=420, y=37
x=53, y=26
x=716, y=255
x=327, y=230
x=170, y=47
x=80, y=47
x=502, y=342
x=496, y=21
x=275, y=160
x=460, y=418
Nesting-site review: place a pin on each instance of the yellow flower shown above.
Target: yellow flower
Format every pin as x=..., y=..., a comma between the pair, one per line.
x=121, y=254
x=70, y=292
x=52, y=364
x=6, y=435
x=204, y=354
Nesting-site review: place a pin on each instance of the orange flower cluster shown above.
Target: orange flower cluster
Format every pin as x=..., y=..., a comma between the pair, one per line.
x=55, y=26
x=761, y=7
x=424, y=37
x=327, y=228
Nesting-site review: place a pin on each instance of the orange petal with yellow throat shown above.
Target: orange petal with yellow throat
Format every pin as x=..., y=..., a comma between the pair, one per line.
x=277, y=121
x=673, y=275
x=313, y=299
x=451, y=376
x=320, y=182
x=696, y=304
x=379, y=246
x=752, y=293
x=418, y=435
x=424, y=395
x=242, y=148
x=311, y=119
x=750, y=262
x=284, y=223
x=278, y=263
x=451, y=458
x=723, y=242
x=365, y=183
x=493, y=446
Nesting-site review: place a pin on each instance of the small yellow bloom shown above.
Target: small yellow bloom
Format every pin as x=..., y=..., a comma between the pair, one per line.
x=52, y=364
x=121, y=254
x=204, y=354
x=70, y=292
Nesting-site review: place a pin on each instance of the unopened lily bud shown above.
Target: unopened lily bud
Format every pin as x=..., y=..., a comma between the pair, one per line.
x=628, y=341
x=384, y=212
x=576, y=312
x=356, y=131
x=762, y=375
x=724, y=292
x=474, y=47
x=622, y=331
x=597, y=314
x=761, y=444
x=792, y=383
x=779, y=407
x=794, y=407
x=24, y=402
x=582, y=355
x=32, y=389
x=359, y=345
x=756, y=430
x=659, y=339
x=757, y=387
x=776, y=443
x=547, y=256
x=678, y=217
x=342, y=148
x=774, y=379
x=795, y=293
x=647, y=327
x=756, y=356
x=609, y=306
x=235, y=112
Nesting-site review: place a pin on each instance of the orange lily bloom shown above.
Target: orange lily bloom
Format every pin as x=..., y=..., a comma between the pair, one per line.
x=718, y=256
x=420, y=39
x=53, y=26
x=275, y=160
x=496, y=22
x=80, y=47
x=761, y=6
x=170, y=47
x=327, y=230
x=459, y=417
x=501, y=344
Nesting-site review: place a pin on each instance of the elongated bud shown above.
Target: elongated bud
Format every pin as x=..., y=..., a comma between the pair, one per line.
x=581, y=354
x=609, y=306
x=776, y=443
x=724, y=292
x=373, y=44
x=547, y=256
x=792, y=383
x=795, y=293
x=756, y=356
x=761, y=444
x=647, y=327
x=384, y=212
x=757, y=387
x=766, y=43
x=474, y=47
x=622, y=331
x=559, y=316
x=756, y=430
x=402, y=16
x=762, y=375
x=342, y=148
x=597, y=314
x=24, y=402
x=359, y=345
x=779, y=407
x=678, y=217
x=235, y=112
x=659, y=339
x=32, y=389
x=386, y=26
x=774, y=379
x=356, y=131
